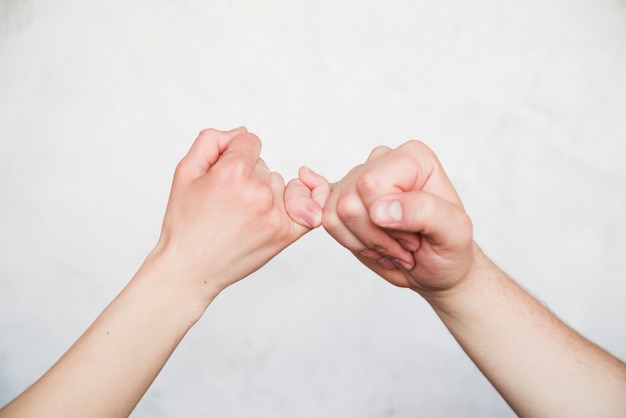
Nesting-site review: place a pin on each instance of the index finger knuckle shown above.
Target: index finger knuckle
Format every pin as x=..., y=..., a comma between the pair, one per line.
x=350, y=207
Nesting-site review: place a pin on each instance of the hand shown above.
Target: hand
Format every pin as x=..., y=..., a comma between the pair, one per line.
x=400, y=215
x=226, y=214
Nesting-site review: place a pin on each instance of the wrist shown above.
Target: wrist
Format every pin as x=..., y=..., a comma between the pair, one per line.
x=173, y=285
x=469, y=289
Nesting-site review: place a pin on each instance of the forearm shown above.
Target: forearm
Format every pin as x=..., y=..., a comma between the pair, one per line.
x=538, y=364
x=226, y=217
x=107, y=371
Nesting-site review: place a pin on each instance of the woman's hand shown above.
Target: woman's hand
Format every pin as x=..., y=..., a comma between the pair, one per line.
x=226, y=214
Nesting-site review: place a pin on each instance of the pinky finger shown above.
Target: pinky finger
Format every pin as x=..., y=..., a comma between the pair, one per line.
x=320, y=187
x=299, y=205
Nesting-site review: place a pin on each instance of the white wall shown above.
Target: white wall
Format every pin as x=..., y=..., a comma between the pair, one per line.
x=524, y=101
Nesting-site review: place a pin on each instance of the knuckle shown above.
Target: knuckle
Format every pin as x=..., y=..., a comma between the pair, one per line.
x=414, y=143
x=330, y=220
x=252, y=138
x=236, y=168
x=368, y=182
x=426, y=205
x=261, y=200
x=378, y=151
x=415, y=146
x=265, y=199
x=369, y=253
x=208, y=133
x=381, y=149
x=181, y=169
x=276, y=177
x=349, y=207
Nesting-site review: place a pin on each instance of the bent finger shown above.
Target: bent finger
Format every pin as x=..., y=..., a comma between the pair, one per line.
x=370, y=238
x=411, y=166
x=279, y=190
x=318, y=185
x=262, y=171
x=438, y=220
x=205, y=151
x=301, y=206
x=241, y=155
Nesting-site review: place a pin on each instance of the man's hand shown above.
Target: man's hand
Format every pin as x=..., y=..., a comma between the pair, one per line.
x=400, y=215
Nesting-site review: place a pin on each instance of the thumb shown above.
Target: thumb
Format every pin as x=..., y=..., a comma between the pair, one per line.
x=439, y=221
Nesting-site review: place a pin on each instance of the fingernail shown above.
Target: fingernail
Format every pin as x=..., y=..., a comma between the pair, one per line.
x=239, y=129
x=407, y=245
x=403, y=265
x=388, y=211
x=312, y=218
x=387, y=264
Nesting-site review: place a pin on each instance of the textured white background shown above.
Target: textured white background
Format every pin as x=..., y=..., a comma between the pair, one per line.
x=524, y=101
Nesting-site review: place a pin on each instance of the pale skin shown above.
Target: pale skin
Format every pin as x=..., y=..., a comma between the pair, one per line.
x=228, y=214
x=225, y=218
x=400, y=215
